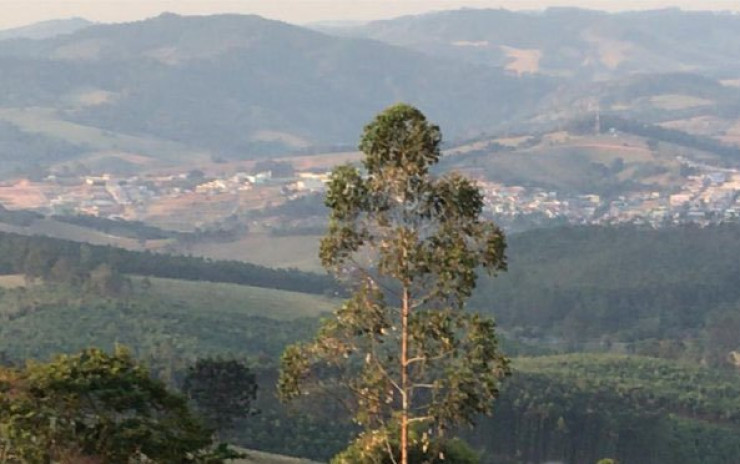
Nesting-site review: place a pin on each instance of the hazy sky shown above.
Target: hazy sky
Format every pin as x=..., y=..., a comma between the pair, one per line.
x=15, y=13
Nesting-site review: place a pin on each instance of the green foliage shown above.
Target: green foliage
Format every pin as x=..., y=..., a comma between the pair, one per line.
x=372, y=448
x=579, y=408
x=665, y=292
x=410, y=244
x=222, y=390
x=574, y=408
x=36, y=256
x=93, y=405
x=169, y=323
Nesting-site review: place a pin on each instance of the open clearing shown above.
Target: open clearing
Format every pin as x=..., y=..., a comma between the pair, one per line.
x=299, y=251
x=46, y=121
x=609, y=52
x=12, y=281
x=240, y=299
x=580, y=164
x=65, y=231
x=192, y=318
x=522, y=61
x=678, y=102
x=24, y=195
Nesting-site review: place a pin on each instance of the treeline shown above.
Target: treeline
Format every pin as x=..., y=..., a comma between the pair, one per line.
x=20, y=218
x=661, y=134
x=672, y=292
x=43, y=257
x=307, y=206
x=119, y=228
x=226, y=230
x=575, y=409
x=581, y=408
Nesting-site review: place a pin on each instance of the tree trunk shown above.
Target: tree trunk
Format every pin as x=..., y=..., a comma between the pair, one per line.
x=405, y=377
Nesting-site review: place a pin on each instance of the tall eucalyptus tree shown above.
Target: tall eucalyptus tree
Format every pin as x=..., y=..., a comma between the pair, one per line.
x=410, y=245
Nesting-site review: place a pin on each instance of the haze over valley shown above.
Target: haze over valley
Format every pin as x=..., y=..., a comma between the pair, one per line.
x=164, y=182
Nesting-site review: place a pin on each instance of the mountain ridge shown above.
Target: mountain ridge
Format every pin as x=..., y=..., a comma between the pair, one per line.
x=243, y=86
x=572, y=42
x=46, y=29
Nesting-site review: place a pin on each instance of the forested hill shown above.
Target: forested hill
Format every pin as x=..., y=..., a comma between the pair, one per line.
x=573, y=409
x=45, y=29
x=629, y=284
x=177, y=79
x=673, y=292
x=570, y=41
x=54, y=259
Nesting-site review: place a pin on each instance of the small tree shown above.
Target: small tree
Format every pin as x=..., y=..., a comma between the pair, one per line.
x=410, y=244
x=222, y=390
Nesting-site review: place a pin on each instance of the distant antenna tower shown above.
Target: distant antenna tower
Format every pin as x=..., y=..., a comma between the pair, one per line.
x=594, y=106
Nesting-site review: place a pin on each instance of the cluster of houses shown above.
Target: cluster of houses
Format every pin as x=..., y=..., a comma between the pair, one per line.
x=711, y=195
x=111, y=196
x=704, y=199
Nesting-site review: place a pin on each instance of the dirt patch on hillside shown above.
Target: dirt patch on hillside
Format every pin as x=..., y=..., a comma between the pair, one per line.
x=522, y=61
x=610, y=53
x=24, y=195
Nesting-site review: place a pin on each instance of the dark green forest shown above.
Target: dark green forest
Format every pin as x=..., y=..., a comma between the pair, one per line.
x=659, y=311
x=72, y=262
x=672, y=292
x=615, y=344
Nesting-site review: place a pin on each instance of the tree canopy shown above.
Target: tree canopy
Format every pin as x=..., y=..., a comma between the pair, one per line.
x=409, y=244
x=95, y=407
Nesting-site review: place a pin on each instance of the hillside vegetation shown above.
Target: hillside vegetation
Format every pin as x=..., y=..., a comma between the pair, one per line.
x=579, y=408
x=126, y=88
x=166, y=320
x=670, y=293
x=575, y=408
x=568, y=41
x=68, y=261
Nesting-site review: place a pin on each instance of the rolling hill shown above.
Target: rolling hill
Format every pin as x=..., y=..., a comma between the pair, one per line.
x=45, y=29
x=179, y=317
x=174, y=87
x=571, y=42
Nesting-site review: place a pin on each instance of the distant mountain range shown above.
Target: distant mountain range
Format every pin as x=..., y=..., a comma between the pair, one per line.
x=45, y=29
x=241, y=86
x=174, y=88
x=571, y=42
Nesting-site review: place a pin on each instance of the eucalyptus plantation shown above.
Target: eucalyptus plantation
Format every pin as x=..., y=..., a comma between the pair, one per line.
x=401, y=352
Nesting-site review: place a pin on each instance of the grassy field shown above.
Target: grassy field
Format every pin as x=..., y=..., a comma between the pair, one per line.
x=12, y=281
x=678, y=102
x=299, y=251
x=51, y=228
x=580, y=164
x=187, y=318
x=240, y=299
x=46, y=121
